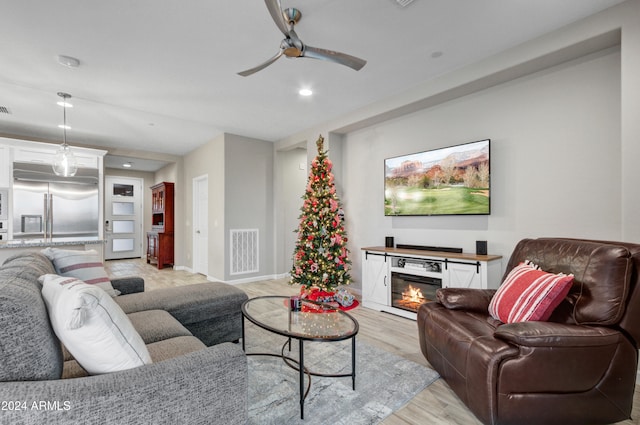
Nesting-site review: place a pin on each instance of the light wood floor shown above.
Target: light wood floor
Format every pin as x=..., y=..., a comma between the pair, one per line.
x=435, y=405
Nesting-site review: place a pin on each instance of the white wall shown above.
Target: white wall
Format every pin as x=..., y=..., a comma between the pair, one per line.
x=630, y=88
x=586, y=112
x=249, y=200
x=206, y=160
x=240, y=183
x=292, y=173
x=555, y=161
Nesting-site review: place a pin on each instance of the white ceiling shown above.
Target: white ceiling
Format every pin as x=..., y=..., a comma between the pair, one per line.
x=135, y=163
x=160, y=75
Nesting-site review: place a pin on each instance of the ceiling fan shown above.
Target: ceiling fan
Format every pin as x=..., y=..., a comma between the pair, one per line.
x=292, y=47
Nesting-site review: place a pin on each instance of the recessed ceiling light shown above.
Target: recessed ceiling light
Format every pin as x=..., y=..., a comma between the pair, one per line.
x=305, y=92
x=68, y=61
x=127, y=165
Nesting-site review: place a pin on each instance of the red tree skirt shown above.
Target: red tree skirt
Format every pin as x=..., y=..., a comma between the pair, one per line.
x=351, y=307
x=309, y=307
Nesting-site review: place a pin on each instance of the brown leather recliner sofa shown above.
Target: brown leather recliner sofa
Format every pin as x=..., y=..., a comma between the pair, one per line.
x=579, y=367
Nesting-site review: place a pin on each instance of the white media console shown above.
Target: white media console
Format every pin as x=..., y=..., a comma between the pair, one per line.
x=398, y=280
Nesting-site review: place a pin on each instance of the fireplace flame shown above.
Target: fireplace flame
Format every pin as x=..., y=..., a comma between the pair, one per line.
x=412, y=294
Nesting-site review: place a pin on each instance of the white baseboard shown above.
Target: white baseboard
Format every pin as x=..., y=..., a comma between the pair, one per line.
x=236, y=281
x=213, y=279
x=185, y=268
x=257, y=278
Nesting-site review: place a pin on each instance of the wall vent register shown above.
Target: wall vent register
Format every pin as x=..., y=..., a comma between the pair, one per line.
x=244, y=251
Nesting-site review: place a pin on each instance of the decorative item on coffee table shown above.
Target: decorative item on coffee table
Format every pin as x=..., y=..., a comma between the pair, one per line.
x=321, y=258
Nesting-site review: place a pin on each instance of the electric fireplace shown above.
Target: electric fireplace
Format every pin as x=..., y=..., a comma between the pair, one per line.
x=408, y=291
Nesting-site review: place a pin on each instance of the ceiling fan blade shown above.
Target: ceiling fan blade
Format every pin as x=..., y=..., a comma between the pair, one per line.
x=276, y=13
x=337, y=57
x=262, y=65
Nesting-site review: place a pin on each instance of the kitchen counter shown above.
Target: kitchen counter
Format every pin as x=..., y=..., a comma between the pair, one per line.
x=10, y=248
x=34, y=243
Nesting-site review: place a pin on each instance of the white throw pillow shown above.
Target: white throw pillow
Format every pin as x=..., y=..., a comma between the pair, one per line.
x=92, y=326
x=84, y=265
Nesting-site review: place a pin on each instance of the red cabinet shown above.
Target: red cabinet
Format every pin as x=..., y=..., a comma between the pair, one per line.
x=160, y=239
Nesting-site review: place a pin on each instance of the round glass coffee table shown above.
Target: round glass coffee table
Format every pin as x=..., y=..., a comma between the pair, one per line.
x=313, y=322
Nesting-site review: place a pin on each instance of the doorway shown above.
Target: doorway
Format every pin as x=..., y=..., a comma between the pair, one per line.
x=201, y=225
x=123, y=217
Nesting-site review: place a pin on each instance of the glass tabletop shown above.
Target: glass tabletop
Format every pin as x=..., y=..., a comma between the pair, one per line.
x=314, y=321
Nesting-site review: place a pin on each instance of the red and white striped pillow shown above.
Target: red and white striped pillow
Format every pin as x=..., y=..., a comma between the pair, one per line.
x=529, y=294
x=84, y=265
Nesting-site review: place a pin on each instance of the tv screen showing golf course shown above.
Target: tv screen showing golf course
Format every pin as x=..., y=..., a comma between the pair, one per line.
x=448, y=181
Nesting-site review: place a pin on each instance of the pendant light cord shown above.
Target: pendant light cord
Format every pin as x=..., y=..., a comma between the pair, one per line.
x=65, y=163
x=65, y=97
x=64, y=122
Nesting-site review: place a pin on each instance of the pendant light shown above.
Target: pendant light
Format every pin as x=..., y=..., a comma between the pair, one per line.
x=64, y=163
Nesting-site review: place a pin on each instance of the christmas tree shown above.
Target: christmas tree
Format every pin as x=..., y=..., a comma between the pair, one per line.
x=320, y=259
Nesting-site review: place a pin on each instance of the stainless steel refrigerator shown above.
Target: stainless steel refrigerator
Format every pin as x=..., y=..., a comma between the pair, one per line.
x=50, y=207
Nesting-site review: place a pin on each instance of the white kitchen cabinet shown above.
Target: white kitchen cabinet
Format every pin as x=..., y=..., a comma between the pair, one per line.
x=16, y=150
x=24, y=151
x=5, y=169
x=46, y=155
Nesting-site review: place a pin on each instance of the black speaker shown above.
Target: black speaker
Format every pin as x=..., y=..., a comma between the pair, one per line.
x=388, y=242
x=481, y=247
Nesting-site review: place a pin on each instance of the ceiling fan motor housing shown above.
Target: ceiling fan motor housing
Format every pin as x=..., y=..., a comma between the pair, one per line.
x=292, y=15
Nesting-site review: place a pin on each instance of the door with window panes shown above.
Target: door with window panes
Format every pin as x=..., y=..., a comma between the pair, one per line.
x=123, y=217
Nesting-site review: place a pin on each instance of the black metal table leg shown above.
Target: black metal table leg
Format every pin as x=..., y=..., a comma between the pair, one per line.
x=353, y=362
x=243, y=346
x=301, y=354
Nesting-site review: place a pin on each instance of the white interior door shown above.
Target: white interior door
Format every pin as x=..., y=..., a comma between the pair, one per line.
x=123, y=217
x=200, y=224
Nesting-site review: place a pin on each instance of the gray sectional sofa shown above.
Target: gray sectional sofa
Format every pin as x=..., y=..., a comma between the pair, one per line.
x=198, y=375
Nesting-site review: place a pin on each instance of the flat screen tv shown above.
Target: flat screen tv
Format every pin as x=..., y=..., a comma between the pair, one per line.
x=448, y=181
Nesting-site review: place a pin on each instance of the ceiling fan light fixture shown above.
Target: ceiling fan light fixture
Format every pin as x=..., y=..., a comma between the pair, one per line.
x=64, y=162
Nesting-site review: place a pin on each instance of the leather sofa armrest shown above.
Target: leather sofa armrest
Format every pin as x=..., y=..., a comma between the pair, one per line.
x=550, y=334
x=476, y=300
x=128, y=285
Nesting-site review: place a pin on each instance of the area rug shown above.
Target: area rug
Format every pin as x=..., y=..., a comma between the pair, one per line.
x=384, y=382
